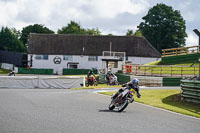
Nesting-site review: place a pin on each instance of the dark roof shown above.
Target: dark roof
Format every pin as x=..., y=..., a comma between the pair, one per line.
x=62, y=44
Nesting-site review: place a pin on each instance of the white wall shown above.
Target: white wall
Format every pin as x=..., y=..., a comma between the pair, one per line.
x=83, y=62
x=142, y=60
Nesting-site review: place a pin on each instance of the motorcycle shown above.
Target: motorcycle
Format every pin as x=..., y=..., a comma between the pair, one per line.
x=12, y=73
x=121, y=99
x=113, y=80
x=91, y=81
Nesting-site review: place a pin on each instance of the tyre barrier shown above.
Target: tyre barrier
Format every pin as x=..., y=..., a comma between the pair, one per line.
x=190, y=90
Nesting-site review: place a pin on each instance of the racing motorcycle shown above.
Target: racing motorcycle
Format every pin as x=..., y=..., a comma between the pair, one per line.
x=122, y=98
x=12, y=73
x=113, y=80
x=91, y=81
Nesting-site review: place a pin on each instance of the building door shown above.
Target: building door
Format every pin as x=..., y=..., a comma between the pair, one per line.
x=72, y=65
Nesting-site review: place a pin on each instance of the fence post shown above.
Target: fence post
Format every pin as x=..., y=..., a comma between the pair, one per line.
x=171, y=71
x=136, y=70
x=181, y=70
x=161, y=71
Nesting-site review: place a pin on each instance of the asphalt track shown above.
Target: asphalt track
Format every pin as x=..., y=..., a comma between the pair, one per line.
x=83, y=111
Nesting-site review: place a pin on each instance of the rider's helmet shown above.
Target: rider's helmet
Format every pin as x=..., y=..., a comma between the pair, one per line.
x=135, y=81
x=90, y=71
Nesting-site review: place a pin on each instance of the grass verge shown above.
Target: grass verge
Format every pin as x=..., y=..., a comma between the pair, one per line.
x=167, y=99
x=3, y=71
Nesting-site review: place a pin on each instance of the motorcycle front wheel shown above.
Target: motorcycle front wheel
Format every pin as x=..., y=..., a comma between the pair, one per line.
x=123, y=106
x=111, y=106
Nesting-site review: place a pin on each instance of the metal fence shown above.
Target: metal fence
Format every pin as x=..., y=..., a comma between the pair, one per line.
x=161, y=70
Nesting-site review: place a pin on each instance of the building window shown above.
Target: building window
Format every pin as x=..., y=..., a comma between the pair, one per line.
x=41, y=57
x=68, y=57
x=126, y=58
x=92, y=58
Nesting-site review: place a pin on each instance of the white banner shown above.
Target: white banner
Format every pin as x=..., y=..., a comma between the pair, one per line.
x=44, y=82
x=7, y=66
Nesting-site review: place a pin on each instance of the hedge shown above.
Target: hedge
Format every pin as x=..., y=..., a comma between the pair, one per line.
x=35, y=71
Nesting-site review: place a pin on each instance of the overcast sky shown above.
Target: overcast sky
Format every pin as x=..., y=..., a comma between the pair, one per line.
x=109, y=16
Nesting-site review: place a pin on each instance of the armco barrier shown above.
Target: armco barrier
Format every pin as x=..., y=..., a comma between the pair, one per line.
x=77, y=71
x=35, y=71
x=190, y=90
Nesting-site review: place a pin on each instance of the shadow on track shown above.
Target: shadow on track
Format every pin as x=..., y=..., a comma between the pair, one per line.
x=114, y=111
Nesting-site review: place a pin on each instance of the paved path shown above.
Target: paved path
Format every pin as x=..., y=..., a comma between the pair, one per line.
x=82, y=111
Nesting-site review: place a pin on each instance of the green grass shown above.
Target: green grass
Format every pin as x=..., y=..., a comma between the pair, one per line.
x=3, y=71
x=167, y=99
x=154, y=63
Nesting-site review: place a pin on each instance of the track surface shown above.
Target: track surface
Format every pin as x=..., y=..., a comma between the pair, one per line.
x=82, y=111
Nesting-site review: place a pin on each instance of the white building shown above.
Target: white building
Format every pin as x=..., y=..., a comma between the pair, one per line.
x=58, y=51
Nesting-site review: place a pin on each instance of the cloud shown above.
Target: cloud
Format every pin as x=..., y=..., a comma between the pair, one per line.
x=57, y=13
x=110, y=16
x=192, y=39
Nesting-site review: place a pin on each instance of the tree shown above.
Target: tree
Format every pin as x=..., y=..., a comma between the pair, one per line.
x=36, y=28
x=9, y=41
x=93, y=32
x=164, y=27
x=129, y=32
x=138, y=33
x=74, y=28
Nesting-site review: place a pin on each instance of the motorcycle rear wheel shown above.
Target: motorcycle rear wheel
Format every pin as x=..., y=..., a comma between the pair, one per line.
x=95, y=83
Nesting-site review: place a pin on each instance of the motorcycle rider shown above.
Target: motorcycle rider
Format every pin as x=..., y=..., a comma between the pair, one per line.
x=109, y=73
x=90, y=73
x=133, y=84
x=12, y=73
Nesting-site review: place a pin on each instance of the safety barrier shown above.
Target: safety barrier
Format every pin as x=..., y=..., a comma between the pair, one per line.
x=190, y=90
x=42, y=82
